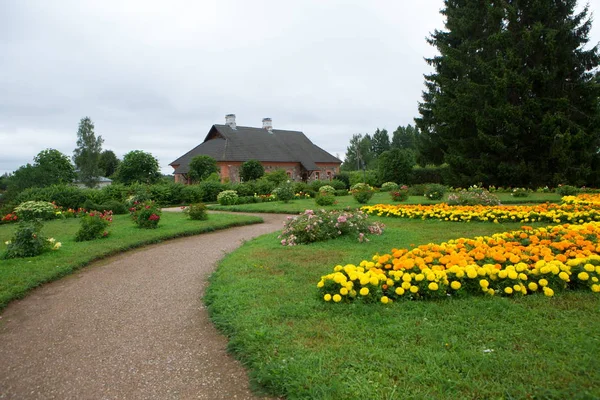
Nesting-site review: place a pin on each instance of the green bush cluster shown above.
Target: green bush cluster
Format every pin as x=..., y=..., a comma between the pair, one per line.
x=31, y=210
x=28, y=241
x=93, y=225
x=227, y=197
x=362, y=192
x=146, y=215
x=197, y=212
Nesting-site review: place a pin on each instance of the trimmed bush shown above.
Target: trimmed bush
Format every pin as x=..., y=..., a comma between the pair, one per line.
x=196, y=212
x=284, y=192
x=567, y=190
x=93, y=225
x=338, y=184
x=28, y=241
x=435, y=192
x=325, y=199
x=227, y=197
x=31, y=210
x=362, y=192
x=327, y=189
x=400, y=193
x=145, y=215
x=389, y=186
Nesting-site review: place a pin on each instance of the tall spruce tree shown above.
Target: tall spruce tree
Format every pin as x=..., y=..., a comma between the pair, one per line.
x=513, y=100
x=380, y=142
x=87, y=154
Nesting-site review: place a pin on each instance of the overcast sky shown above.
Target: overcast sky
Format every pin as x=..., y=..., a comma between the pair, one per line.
x=155, y=75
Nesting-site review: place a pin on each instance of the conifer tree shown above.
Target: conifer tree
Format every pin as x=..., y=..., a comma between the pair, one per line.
x=513, y=99
x=380, y=142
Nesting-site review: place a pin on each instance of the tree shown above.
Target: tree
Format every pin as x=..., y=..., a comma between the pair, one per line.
x=201, y=167
x=513, y=99
x=138, y=166
x=396, y=165
x=358, y=153
x=380, y=142
x=251, y=170
x=405, y=137
x=108, y=163
x=87, y=154
x=4, y=181
x=55, y=167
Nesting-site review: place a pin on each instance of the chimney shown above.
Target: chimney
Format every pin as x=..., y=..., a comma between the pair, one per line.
x=268, y=124
x=230, y=120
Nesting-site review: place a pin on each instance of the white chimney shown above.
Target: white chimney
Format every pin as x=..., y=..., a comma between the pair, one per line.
x=268, y=124
x=230, y=120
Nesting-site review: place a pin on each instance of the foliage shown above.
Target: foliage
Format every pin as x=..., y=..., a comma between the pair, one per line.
x=114, y=206
x=464, y=267
x=380, y=142
x=431, y=174
x=251, y=170
x=388, y=186
x=358, y=153
x=327, y=189
x=108, y=163
x=519, y=192
x=138, y=167
x=285, y=192
x=400, y=193
x=369, y=177
x=277, y=176
x=196, y=212
x=338, y=184
x=62, y=195
x=28, y=241
x=145, y=215
x=567, y=190
x=227, y=197
x=87, y=153
x=472, y=198
x=395, y=165
x=362, y=192
x=314, y=226
x=344, y=177
x=201, y=167
x=93, y=225
x=50, y=167
x=210, y=190
x=513, y=99
x=325, y=199
x=405, y=138
x=31, y=210
x=435, y=191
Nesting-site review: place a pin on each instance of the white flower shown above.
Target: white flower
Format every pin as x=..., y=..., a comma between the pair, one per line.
x=7, y=242
x=57, y=246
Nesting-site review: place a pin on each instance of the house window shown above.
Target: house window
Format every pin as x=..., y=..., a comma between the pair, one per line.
x=328, y=175
x=317, y=175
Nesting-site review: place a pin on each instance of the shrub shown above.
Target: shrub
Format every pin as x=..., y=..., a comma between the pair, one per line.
x=196, y=212
x=400, y=193
x=324, y=199
x=300, y=187
x=28, y=241
x=210, y=190
x=472, y=198
x=227, y=197
x=145, y=215
x=520, y=192
x=277, y=176
x=435, y=191
x=61, y=195
x=263, y=186
x=567, y=190
x=284, y=192
x=31, y=210
x=191, y=194
x=369, y=177
x=112, y=205
x=431, y=174
x=343, y=177
x=417, y=190
x=315, y=226
x=362, y=192
x=338, y=185
x=344, y=192
x=389, y=186
x=327, y=189
x=93, y=226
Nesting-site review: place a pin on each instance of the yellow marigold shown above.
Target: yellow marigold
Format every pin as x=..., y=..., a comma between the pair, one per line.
x=508, y=290
x=374, y=281
x=502, y=274
x=399, y=291
x=414, y=289
x=595, y=288
x=513, y=275
x=327, y=297
x=337, y=298
x=406, y=285
x=419, y=277
x=343, y=291
x=406, y=278
x=589, y=268
x=455, y=285
x=583, y=276
x=484, y=283
x=433, y=286
x=543, y=282
x=522, y=276
x=364, y=291
x=431, y=277
x=338, y=268
x=384, y=299
x=532, y=286
x=564, y=276
x=548, y=292
x=472, y=273
x=320, y=284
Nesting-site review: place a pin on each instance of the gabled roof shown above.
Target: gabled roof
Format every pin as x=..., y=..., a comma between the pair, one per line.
x=245, y=143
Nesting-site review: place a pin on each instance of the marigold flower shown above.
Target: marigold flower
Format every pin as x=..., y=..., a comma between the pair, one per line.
x=433, y=286
x=455, y=285
x=364, y=291
x=583, y=276
x=337, y=298
x=385, y=299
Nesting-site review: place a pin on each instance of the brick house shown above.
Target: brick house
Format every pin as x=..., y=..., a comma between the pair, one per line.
x=231, y=145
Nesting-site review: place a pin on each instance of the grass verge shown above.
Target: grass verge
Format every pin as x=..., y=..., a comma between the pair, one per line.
x=299, y=205
x=264, y=297
x=18, y=276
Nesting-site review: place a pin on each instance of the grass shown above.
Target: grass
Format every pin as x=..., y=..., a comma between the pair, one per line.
x=18, y=276
x=264, y=297
x=299, y=205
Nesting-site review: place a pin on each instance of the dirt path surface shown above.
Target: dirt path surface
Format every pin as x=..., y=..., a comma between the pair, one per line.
x=131, y=327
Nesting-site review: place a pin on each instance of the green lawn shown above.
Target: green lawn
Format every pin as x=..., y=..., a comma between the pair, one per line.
x=264, y=297
x=18, y=276
x=299, y=205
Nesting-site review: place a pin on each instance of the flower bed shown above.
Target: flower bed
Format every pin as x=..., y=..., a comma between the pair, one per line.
x=584, y=209
x=546, y=260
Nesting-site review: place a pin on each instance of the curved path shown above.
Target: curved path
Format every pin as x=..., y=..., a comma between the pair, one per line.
x=131, y=327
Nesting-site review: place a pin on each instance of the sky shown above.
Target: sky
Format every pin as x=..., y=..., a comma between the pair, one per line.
x=156, y=75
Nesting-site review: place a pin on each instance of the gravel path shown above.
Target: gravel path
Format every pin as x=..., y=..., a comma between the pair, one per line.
x=130, y=327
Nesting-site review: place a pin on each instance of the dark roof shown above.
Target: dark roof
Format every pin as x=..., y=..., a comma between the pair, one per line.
x=245, y=143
